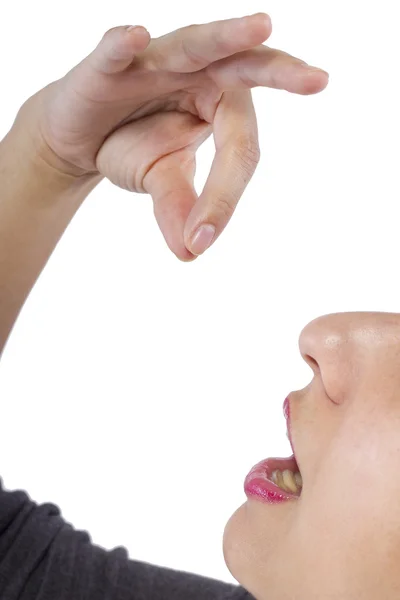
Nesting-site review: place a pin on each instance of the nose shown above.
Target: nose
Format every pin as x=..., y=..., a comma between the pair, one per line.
x=322, y=336
x=344, y=347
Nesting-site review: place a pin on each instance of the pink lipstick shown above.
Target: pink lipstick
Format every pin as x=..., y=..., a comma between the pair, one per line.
x=259, y=482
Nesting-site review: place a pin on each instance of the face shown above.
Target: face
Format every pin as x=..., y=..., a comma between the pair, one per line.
x=340, y=538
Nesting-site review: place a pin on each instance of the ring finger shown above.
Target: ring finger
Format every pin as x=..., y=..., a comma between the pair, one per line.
x=267, y=67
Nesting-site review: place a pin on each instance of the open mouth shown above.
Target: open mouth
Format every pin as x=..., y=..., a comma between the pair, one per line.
x=276, y=479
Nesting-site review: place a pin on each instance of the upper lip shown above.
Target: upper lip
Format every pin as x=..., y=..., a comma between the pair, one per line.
x=286, y=412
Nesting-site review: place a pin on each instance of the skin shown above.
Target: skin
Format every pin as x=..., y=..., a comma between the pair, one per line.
x=341, y=538
x=135, y=111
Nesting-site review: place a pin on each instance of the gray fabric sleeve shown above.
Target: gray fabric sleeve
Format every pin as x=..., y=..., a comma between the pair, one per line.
x=44, y=558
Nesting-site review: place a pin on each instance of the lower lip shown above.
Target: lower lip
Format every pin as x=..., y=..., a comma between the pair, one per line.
x=258, y=482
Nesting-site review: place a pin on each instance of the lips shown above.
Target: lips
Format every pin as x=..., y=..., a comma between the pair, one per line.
x=259, y=482
x=286, y=409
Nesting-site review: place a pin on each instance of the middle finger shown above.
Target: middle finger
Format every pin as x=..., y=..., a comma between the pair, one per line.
x=193, y=48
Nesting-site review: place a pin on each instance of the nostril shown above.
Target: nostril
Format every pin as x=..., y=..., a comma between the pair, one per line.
x=311, y=362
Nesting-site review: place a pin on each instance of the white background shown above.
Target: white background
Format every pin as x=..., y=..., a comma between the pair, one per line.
x=137, y=391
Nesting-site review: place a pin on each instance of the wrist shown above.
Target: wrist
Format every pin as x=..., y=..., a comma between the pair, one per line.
x=29, y=145
x=29, y=181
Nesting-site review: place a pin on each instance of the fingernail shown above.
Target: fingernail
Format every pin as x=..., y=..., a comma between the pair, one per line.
x=202, y=239
x=319, y=70
x=132, y=27
x=314, y=69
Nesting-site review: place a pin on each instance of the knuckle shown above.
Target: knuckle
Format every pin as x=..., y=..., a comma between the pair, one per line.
x=111, y=32
x=190, y=29
x=245, y=78
x=225, y=206
x=243, y=75
x=248, y=154
x=220, y=40
x=196, y=60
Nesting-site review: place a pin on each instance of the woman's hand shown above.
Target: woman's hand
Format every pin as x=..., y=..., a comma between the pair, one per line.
x=136, y=110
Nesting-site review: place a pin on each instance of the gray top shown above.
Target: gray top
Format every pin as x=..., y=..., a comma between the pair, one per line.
x=42, y=557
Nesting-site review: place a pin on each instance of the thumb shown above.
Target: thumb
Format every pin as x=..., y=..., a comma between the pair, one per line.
x=170, y=184
x=118, y=48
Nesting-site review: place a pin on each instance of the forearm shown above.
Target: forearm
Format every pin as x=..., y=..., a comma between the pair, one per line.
x=37, y=202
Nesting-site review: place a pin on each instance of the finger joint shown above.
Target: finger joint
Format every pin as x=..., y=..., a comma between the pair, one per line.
x=243, y=75
x=248, y=154
x=196, y=60
x=226, y=206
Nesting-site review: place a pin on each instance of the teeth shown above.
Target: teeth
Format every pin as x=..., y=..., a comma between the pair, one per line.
x=299, y=479
x=279, y=480
x=287, y=481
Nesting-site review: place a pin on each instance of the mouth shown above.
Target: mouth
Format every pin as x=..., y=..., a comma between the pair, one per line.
x=276, y=480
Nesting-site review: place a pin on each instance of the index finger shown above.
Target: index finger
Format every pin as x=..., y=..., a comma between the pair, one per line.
x=193, y=48
x=236, y=159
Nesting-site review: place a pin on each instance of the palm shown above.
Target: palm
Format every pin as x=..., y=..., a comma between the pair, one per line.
x=86, y=105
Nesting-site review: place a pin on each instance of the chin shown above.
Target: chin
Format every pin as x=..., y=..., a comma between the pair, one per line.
x=240, y=552
x=232, y=547
x=258, y=549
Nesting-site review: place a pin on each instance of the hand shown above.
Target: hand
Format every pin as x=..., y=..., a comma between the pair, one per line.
x=136, y=110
